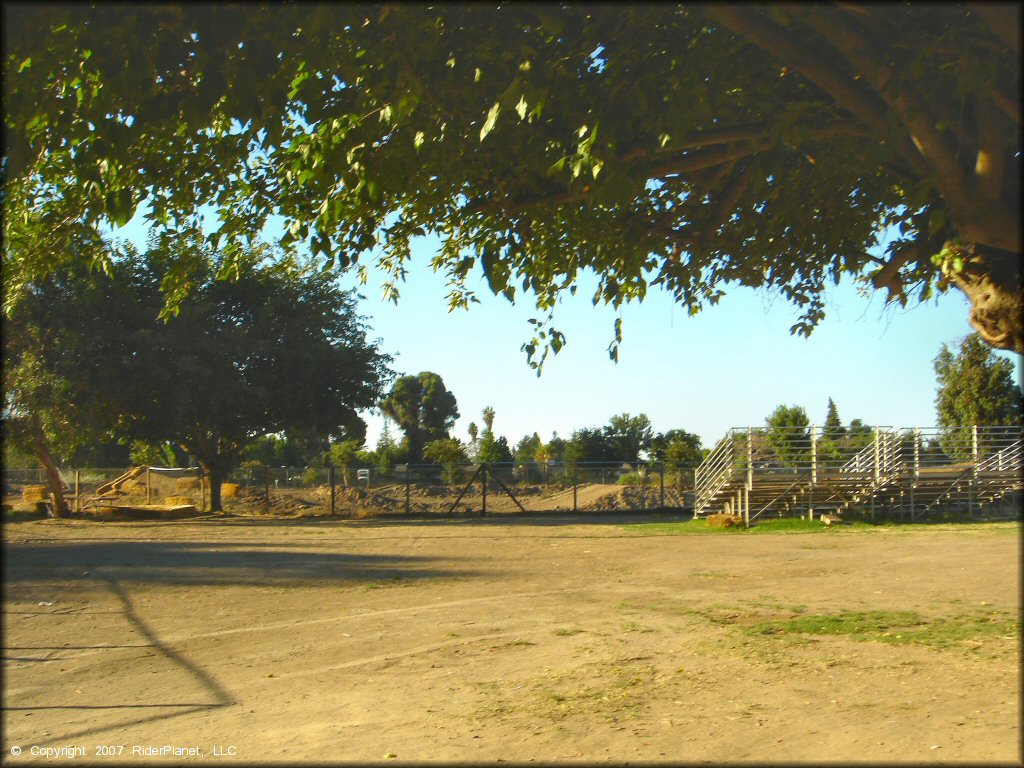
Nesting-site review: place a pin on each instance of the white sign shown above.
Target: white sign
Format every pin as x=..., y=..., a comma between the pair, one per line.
x=362, y=474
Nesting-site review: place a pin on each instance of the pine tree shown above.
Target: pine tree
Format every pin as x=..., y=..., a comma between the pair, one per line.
x=833, y=426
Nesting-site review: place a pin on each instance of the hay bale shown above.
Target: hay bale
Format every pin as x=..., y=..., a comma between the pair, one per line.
x=174, y=501
x=228, y=490
x=725, y=521
x=187, y=484
x=35, y=493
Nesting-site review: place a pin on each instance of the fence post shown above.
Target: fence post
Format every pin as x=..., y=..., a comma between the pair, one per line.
x=148, y=487
x=662, y=467
x=574, y=483
x=750, y=458
x=875, y=474
x=266, y=498
x=814, y=472
x=974, y=468
x=78, y=494
x=483, y=483
x=408, y=486
x=202, y=490
x=330, y=478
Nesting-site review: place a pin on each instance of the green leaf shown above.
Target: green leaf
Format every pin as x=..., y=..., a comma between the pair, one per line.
x=521, y=108
x=557, y=167
x=492, y=118
x=936, y=221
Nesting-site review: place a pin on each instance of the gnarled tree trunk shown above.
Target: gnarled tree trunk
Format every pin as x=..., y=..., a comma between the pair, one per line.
x=992, y=281
x=42, y=452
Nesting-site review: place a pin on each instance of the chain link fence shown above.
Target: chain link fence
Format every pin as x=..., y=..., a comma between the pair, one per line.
x=403, y=490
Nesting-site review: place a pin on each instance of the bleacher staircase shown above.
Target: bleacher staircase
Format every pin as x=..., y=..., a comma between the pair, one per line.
x=909, y=473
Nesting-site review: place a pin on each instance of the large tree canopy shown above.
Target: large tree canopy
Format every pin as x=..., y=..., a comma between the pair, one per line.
x=690, y=147
x=278, y=349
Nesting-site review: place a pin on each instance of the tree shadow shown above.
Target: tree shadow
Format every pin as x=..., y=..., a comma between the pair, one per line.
x=206, y=563
x=218, y=696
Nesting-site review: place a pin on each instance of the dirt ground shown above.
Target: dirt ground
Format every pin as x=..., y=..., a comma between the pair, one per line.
x=517, y=640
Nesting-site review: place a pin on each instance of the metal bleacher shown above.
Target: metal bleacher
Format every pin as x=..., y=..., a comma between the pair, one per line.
x=909, y=473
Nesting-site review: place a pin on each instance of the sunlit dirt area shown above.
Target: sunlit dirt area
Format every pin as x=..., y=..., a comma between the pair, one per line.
x=528, y=639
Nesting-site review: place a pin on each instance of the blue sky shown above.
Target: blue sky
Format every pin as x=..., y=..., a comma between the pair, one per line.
x=731, y=365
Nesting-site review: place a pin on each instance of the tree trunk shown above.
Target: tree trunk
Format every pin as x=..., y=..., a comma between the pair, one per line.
x=214, y=477
x=991, y=280
x=42, y=452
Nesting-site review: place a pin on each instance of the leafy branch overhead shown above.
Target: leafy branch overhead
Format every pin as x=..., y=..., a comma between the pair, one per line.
x=687, y=147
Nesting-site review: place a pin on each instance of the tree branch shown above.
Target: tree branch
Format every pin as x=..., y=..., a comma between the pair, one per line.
x=1008, y=105
x=949, y=174
x=695, y=161
x=725, y=205
x=1002, y=19
x=659, y=167
x=810, y=64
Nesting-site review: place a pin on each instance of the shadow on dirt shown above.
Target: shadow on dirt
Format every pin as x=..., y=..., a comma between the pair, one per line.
x=207, y=563
x=218, y=696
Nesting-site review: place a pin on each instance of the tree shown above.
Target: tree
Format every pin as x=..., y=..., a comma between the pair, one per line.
x=628, y=435
x=975, y=387
x=493, y=449
x=43, y=412
x=526, y=449
x=387, y=453
x=593, y=445
x=488, y=417
x=449, y=452
x=788, y=434
x=423, y=408
x=343, y=454
x=858, y=436
x=278, y=349
x=677, y=446
x=833, y=426
x=689, y=147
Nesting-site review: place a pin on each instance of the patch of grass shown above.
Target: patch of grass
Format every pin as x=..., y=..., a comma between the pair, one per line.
x=683, y=526
x=790, y=524
x=607, y=689
x=798, y=525
x=880, y=626
x=632, y=626
x=566, y=631
x=712, y=575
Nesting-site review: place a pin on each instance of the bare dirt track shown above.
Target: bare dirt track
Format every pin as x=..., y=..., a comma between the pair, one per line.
x=486, y=640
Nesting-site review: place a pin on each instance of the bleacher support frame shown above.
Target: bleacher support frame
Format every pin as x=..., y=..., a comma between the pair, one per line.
x=907, y=473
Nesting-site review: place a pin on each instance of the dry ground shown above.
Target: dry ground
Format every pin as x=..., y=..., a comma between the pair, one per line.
x=486, y=640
